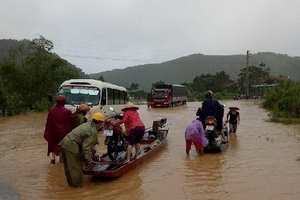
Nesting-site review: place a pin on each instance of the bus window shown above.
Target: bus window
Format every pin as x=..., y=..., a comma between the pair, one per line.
x=110, y=96
x=117, y=96
x=123, y=97
x=103, y=100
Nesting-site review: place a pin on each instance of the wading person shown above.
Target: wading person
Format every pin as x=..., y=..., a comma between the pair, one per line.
x=233, y=117
x=77, y=147
x=60, y=121
x=194, y=134
x=135, y=129
x=212, y=107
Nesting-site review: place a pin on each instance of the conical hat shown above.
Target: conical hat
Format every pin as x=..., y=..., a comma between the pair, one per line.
x=130, y=105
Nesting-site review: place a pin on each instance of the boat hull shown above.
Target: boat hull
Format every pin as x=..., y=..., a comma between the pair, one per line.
x=117, y=169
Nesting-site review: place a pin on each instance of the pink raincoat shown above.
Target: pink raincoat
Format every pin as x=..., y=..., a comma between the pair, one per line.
x=195, y=132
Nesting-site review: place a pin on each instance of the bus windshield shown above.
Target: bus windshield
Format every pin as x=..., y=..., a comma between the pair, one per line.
x=80, y=94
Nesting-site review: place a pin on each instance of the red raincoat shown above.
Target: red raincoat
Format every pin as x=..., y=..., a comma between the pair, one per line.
x=60, y=122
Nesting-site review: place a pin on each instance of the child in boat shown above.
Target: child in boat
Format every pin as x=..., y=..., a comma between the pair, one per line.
x=233, y=117
x=194, y=134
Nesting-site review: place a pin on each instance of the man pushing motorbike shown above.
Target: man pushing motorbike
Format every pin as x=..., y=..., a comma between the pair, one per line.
x=212, y=107
x=77, y=145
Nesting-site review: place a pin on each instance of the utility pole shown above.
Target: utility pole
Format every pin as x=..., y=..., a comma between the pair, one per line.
x=247, y=75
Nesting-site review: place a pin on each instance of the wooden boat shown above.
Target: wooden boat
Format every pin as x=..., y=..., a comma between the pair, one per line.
x=152, y=142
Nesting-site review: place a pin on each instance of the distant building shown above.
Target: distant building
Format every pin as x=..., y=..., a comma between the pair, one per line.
x=271, y=82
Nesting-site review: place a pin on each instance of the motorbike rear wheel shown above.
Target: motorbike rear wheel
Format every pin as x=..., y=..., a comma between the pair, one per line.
x=112, y=150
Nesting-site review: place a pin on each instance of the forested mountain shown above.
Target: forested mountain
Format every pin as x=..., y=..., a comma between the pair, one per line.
x=185, y=69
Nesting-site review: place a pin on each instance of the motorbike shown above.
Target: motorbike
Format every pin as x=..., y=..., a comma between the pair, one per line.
x=214, y=138
x=115, y=137
x=210, y=132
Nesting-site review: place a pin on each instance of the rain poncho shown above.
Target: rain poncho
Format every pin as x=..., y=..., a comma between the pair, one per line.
x=195, y=132
x=212, y=107
x=60, y=122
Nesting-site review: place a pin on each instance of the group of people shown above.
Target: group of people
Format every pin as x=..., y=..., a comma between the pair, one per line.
x=73, y=138
x=60, y=122
x=194, y=132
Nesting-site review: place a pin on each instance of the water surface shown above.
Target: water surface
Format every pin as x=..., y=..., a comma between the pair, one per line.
x=261, y=162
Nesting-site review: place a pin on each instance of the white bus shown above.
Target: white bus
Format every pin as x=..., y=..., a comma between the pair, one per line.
x=98, y=95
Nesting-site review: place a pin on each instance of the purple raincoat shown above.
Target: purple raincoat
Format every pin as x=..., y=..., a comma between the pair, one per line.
x=195, y=132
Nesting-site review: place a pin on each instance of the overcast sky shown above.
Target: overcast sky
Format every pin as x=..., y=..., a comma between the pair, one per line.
x=101, y=35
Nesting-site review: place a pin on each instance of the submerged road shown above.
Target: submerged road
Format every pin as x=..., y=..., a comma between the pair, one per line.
x=261, y=162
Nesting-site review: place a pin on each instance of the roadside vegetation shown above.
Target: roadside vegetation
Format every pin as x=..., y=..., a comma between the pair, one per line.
x=283, y=102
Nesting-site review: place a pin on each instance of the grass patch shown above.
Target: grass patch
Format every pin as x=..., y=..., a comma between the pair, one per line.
x=284, y=120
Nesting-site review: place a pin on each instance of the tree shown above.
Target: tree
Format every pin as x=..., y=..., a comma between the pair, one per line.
x=284, y=100
x=30, y=73
x=101, y=78
x=220, y=82
x=157, y=83
x=134, y=86
x=257, y=76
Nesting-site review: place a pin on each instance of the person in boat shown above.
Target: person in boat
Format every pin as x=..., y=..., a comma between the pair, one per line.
x=60, y=121
x=212, y=107
x=77, y=145
x=81, y=113
x=194, y=134
x=233, y=117
x=134, y=127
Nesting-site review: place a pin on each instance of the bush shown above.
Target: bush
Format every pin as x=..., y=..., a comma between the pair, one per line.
x=283, y=101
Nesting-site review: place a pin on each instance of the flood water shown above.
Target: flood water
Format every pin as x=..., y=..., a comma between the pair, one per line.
x=261, y=162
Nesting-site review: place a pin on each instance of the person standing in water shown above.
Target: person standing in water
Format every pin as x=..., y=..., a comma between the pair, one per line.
x=194, y=134
x=77, y=147
x=60, y=122
x=233, y=117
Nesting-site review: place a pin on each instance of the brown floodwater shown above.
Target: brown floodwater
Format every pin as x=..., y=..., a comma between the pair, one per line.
x=262, y=161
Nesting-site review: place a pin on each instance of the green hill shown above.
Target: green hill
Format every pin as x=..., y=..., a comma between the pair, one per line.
x=185, y=69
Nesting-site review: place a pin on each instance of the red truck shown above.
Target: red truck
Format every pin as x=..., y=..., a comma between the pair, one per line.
x=166, y=96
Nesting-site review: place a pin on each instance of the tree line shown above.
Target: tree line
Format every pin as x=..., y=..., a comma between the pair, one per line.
x=220, y=83
x=31, y=72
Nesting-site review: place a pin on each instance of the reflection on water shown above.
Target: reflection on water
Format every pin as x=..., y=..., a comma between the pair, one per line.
x=261, y=162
